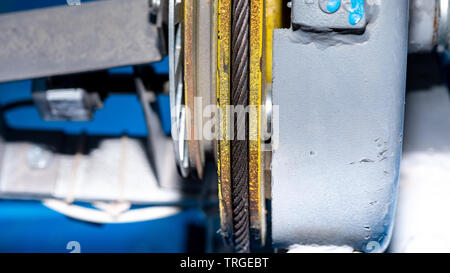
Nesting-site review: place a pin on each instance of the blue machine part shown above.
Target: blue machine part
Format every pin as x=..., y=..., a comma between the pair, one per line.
x=14, y=5
x=29, y=226
x=164, y=112
x=121, y=113
x=113, y=119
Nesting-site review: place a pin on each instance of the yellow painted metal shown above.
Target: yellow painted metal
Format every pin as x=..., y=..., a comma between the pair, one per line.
x=257, y=216
x=274, y=19
x=223, y=101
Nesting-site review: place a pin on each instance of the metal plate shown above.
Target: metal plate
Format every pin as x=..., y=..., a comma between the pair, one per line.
x=70, y=39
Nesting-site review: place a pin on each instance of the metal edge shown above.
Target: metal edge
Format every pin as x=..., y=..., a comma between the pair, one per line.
x=256, y=202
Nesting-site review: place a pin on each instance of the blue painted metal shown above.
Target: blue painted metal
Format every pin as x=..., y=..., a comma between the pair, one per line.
x=31, y=227
x=357, y=12
x=121, y=113
x=333, y=5
x=21, y=5
x=161, y=67
x=163, y=101
x=28, y=226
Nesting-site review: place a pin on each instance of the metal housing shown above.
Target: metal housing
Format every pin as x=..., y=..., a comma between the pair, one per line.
x=341, y=99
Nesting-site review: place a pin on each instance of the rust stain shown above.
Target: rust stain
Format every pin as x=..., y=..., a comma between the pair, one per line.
x=437, y=15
